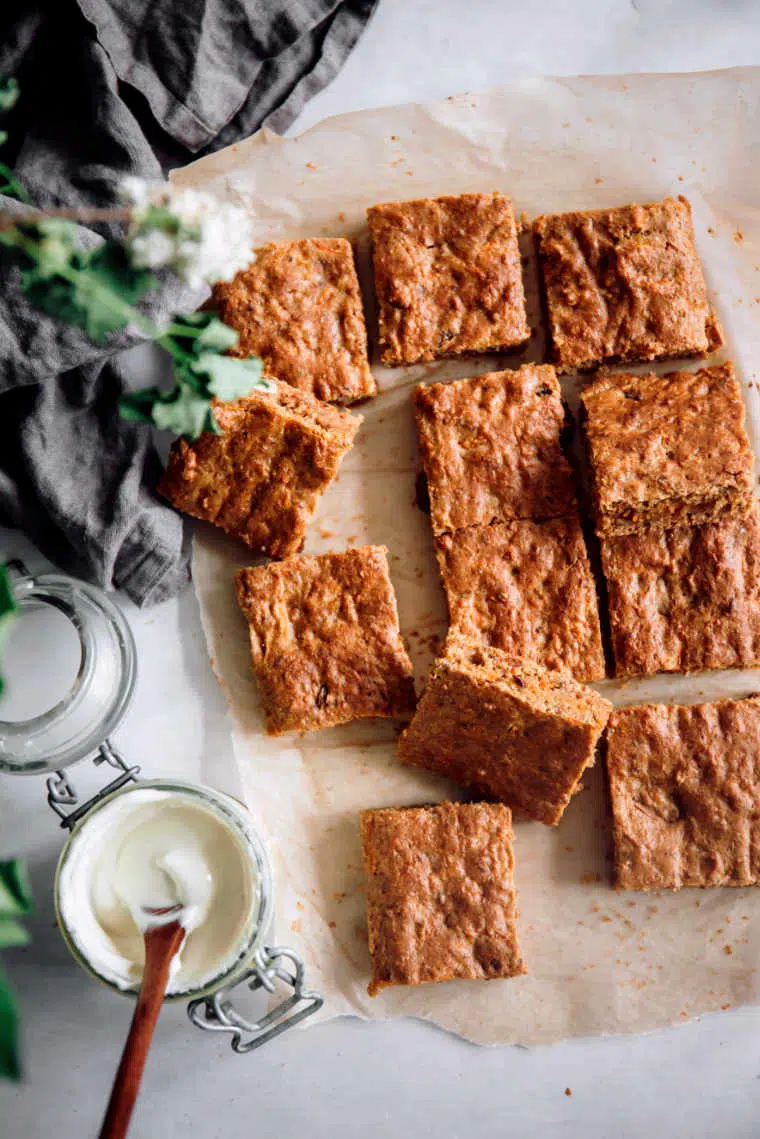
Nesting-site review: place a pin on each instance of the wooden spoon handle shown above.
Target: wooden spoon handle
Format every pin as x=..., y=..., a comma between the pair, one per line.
x=161, y=944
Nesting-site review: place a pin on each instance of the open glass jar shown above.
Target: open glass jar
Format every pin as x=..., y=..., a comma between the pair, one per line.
x=72, y=725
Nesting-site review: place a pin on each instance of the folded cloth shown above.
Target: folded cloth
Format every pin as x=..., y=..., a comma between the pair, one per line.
x=109, y=88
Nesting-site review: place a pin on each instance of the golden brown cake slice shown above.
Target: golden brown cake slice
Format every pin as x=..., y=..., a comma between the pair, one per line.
x=624, y=284
x=448, y=277
x=441, y=903
x=506, y=728
x=685, y=599
x=261, y=478
x=667, y=449
x=491, y=448
x=325, y=640
x=527, y=588
x=685, y=788
x=298, y=306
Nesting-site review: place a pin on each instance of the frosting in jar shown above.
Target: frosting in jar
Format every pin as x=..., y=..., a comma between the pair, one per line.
x=150, y=848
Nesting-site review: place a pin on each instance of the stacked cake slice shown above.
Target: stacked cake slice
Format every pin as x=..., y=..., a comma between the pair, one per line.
x=505, y=518
x=672, y=477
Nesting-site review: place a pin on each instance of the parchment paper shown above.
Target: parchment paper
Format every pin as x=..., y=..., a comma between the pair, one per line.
x=598, y=961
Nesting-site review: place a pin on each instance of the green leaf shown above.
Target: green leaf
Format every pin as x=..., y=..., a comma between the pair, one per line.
x=112, y=268
x=188, y=414
x=137, y=407
x=10, y=187
x=9, y=1060
x=15, y=899
x=229, y=378
x=15, y=892
x=95, y=291
x=7, y=610
x=215, y=335
x=12, y=934
x=9, y=92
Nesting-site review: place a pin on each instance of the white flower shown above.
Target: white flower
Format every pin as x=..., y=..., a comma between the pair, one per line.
x=195, y=234
x=152, y=249
x=136, y=190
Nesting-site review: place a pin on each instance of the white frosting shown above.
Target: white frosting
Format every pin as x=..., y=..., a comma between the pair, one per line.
x=150, y=849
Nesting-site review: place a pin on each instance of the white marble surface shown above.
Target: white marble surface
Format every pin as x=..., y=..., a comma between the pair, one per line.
x=348, y=1078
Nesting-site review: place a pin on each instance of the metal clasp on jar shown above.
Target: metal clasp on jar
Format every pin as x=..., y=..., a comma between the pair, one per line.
x=216, y=1012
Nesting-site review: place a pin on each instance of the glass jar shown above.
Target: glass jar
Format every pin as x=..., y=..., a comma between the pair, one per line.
x=96, y=696
x=75, y=726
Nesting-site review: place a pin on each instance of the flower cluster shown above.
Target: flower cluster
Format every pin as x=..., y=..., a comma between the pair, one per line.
x=194, y=234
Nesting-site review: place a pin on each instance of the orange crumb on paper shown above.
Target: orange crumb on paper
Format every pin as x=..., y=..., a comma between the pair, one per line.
x=397, y=161
x=606, y=918
x=727, y=950
x=680, y=177
x=568, y=1091
x=738, y=236
x=332, y=924
x=654, y=160
x=711, y=231
x=300, y=906
x=310, y=166
x=295, y=926
x=724, y=1007
x=598, y=181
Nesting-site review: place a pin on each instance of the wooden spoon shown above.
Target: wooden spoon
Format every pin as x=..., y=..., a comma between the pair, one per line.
x=161, y=943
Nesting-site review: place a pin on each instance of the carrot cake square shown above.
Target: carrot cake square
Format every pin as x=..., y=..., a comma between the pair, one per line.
x=491, y=448
x=325, y=640
x=624, y=285
x=448, y=277
x=685, y=789
x=441, y=902
x=685, y=599
x=505, y=727
x=527, y=588
x=298, y=307
x=667, y=449
x=261, y=478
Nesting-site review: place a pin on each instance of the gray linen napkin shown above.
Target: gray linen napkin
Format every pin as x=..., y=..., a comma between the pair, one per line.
x=111, y=87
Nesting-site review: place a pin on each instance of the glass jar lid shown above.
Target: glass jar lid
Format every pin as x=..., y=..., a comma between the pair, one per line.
x=70, y=669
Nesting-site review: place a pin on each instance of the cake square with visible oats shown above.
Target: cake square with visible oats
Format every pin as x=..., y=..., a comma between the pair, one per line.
x=527, y=588
x=685, y=598
x=299, y=307
x=624, y=285
x=448, y=277
x=685, y=790
x=441, y=902
x=491, y=448
x=667, y=449
x=325, y=640
x=261, y=478
x=505, y=727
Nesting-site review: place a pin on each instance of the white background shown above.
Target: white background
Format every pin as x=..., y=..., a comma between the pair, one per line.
x=348, y=1078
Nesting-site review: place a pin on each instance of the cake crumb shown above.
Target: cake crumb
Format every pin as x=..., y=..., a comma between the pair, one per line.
x=568, y=1091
